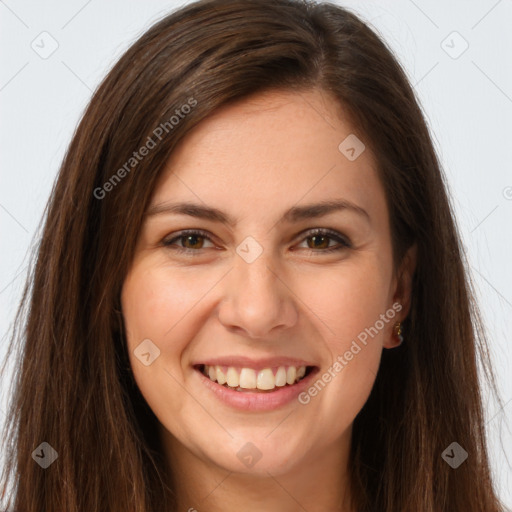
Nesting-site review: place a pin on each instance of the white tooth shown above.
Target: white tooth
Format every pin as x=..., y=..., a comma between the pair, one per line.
x=266, y=379
x=221, y=377
x=247, y=378
x=212, y=373
x=232, y=378
x=281, y=376
x=291, y=374
x=301, y=372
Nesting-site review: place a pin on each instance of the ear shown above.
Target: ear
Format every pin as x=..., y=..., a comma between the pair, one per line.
x=403, y=292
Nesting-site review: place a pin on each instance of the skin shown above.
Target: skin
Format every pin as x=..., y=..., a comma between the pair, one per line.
x=255, y=159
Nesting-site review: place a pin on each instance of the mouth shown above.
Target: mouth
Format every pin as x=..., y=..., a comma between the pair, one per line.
x=249, y=380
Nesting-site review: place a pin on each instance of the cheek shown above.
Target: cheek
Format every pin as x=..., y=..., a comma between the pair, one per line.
x=155, y=308
x=152, y=310
x=155, y=305
x=163, y=306
x=349, y=303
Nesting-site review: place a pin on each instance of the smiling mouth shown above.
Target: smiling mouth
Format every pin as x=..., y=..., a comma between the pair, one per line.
x=248, y=380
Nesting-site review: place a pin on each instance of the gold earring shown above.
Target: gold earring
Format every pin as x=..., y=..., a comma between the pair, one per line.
x=398, y=328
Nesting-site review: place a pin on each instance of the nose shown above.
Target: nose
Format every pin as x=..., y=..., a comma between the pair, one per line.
x=258, y=301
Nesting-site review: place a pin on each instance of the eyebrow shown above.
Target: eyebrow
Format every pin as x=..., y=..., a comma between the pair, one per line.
x=292, y=215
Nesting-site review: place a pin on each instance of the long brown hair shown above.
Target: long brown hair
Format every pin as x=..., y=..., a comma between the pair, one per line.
x=73, y=387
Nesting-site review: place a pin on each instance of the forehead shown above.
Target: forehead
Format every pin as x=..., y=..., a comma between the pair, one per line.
x=270, y=151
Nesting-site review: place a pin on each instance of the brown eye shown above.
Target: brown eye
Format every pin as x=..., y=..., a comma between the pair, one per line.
x=195, y=241
x=187, y=241
x=319, y=242
x=319, y=239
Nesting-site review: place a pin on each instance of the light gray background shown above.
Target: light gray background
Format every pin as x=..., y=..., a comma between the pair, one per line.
x=467, y=98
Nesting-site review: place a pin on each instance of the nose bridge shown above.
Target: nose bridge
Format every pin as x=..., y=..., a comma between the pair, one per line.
x=258, y=276
x=257, y=299
x=257, y=286
x=254, y=261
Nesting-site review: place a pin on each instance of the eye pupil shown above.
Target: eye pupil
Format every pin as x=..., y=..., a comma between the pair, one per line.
x=193, y=237
x=316, y=238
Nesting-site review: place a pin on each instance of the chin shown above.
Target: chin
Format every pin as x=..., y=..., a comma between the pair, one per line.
x=256, y=454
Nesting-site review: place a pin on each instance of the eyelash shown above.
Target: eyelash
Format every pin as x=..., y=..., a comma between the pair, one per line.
x=343, y=241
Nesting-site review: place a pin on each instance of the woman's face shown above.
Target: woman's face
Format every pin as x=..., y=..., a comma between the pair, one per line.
x=257, y=295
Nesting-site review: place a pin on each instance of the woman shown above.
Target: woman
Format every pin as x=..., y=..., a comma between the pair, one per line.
x=250, y=212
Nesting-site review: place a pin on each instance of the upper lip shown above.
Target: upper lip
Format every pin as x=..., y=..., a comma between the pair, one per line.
x=255, y=364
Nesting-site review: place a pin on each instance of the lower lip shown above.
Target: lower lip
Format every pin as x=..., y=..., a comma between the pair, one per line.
x=248, y=401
